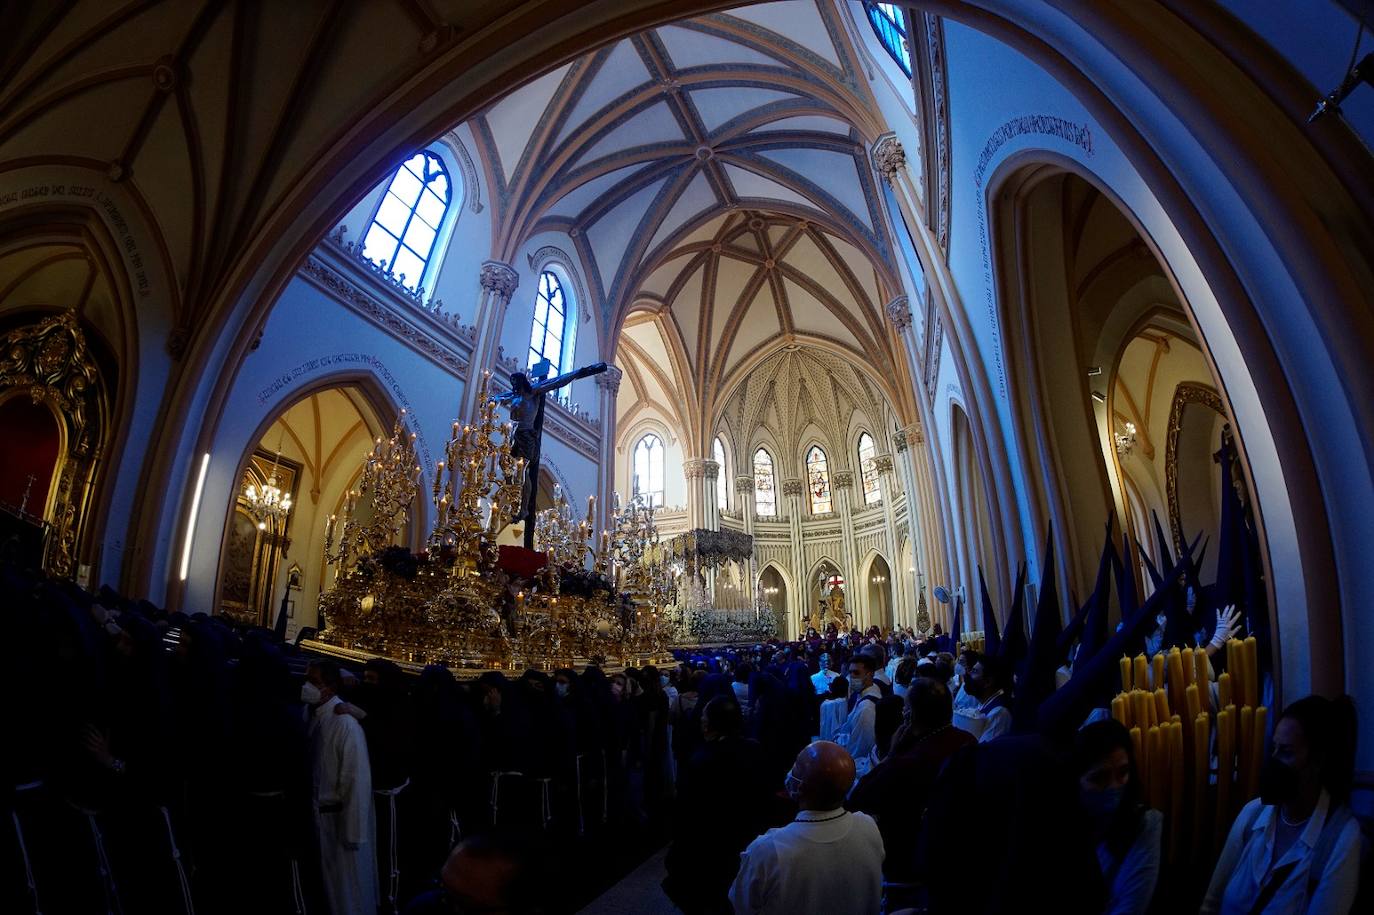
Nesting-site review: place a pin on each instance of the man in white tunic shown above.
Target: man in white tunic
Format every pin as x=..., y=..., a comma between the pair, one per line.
x=827, y=859
x=858, y=736
x=342, y=795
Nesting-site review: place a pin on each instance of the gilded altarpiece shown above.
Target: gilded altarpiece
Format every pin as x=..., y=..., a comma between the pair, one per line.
x=253, y=550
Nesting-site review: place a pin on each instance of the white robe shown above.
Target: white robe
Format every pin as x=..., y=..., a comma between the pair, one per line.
x=343, y=780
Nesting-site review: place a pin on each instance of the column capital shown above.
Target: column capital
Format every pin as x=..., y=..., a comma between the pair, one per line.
x=883, y=462
x=889, y=157
x=899, y=439
x=843, y=479
x=499, y=278
x=609, y=380
x=899, y=313
x=793, y=487
x=693, y=468
x=744, y=484
x=711, y=469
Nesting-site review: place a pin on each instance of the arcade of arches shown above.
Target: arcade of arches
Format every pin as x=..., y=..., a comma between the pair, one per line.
x=895, y=312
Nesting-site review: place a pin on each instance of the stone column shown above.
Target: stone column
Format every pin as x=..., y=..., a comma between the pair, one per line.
x=498, y=283
x=901, y=601
x=608, y=388
x=695, y=472
x=744, y=492
x=710, y=494
x=911, y=574
x=792, y=491
x=842, y=491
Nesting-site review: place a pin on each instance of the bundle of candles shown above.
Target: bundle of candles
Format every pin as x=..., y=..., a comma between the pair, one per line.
x=1167, y=704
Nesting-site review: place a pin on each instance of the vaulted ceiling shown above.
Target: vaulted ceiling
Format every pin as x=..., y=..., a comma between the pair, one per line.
x=715, y=174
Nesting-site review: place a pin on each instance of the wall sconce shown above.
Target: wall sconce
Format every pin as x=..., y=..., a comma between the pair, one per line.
x=1125, y=439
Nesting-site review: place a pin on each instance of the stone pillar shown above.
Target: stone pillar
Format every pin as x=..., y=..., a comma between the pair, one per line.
x=792, y=491
x=710, y=494
x=608, y=388
x=902, y=605
x=695, y=472
x=744, y=492
x=911, y=574
x=498, y=283
x=842, y=491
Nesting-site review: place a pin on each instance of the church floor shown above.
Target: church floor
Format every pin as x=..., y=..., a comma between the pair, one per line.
x=639, y=892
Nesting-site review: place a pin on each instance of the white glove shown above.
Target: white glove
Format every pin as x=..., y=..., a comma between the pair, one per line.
x=1228, y=621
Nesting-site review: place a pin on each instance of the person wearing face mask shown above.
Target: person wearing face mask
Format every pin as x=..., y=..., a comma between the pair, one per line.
x=820, y=680
x=1127, y=834
x=858, y=735
x=990, y=682
x=1296, y=848
x=963, y=699
x=342, y=794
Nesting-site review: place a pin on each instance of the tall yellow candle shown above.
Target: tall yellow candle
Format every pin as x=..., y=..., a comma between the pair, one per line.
x=1142, y=672
x=1251, y=670
x=1177, y=780
x=1142, y=759
x=1225, y=767
x=1201, y=756
x=1162, y=712
x=1224, y=691
x=1177, y=685
x=1245, y=758
x=1126, y=682
x=1189, y=668
x=1120, y=710
x=1157, y=670
x=1193, y=704
x=1140, y=708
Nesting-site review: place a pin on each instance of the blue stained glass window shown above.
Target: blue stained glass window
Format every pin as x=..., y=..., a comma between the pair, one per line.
x=887, y=22
x=401, y=236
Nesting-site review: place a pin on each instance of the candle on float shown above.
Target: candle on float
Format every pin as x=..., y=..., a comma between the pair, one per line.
x=1192, y=702
x=1225, y=695
x=1140, y=708
x=1177, y=781
x=1138, y=744
x=1226, y=759
x=1157, y=670
x=1142, y=672
x=1162, y=706
x=1126, y=681
x=1245, y=737
x=1202, y=727
x=1251, y=670
x=1256, y=750
x=1120, y=710
x=1177, y=683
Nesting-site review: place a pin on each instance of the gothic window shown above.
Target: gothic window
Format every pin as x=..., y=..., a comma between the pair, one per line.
x=868, y=469
x=887, y=22
x=403, y=231
x=765, y=490
x=718, y=455
x=818, y=479
x=550, y=332
x=648, y=481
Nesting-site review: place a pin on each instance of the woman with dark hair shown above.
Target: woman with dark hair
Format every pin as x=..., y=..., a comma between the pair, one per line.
x=1127, y=833
x=1296, y=847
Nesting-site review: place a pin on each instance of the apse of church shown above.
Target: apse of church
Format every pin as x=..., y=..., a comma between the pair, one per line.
x=892, y=301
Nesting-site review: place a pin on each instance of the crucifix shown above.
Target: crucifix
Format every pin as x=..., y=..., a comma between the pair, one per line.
x=525, y=401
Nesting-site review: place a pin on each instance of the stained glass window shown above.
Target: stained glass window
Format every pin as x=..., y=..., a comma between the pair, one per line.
x=818, y=479
x=765, y=490
x=887, y=22
x=550, y=322
x=402, y=234
x=648, y=465
x=868, y=469
x=722, y=490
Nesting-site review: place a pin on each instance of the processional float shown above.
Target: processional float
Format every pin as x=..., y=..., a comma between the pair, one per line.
x=470, y=601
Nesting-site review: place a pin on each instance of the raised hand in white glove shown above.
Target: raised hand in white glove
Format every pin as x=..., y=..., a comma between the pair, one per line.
x=1228, y=625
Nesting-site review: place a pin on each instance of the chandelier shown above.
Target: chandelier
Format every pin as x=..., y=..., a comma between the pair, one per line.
x=1125, y=439
x=267, y=503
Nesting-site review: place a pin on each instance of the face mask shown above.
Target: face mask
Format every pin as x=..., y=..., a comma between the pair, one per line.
x=1161, y=621
x=856, y=685
x=562, y=689
x=1101, y=806
x=792, y=785
x=959, y=670
x=310, y=693
x=663, y=681
x=1278, y=782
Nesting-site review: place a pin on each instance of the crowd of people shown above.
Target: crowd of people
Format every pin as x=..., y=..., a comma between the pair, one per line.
x=172, y=763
